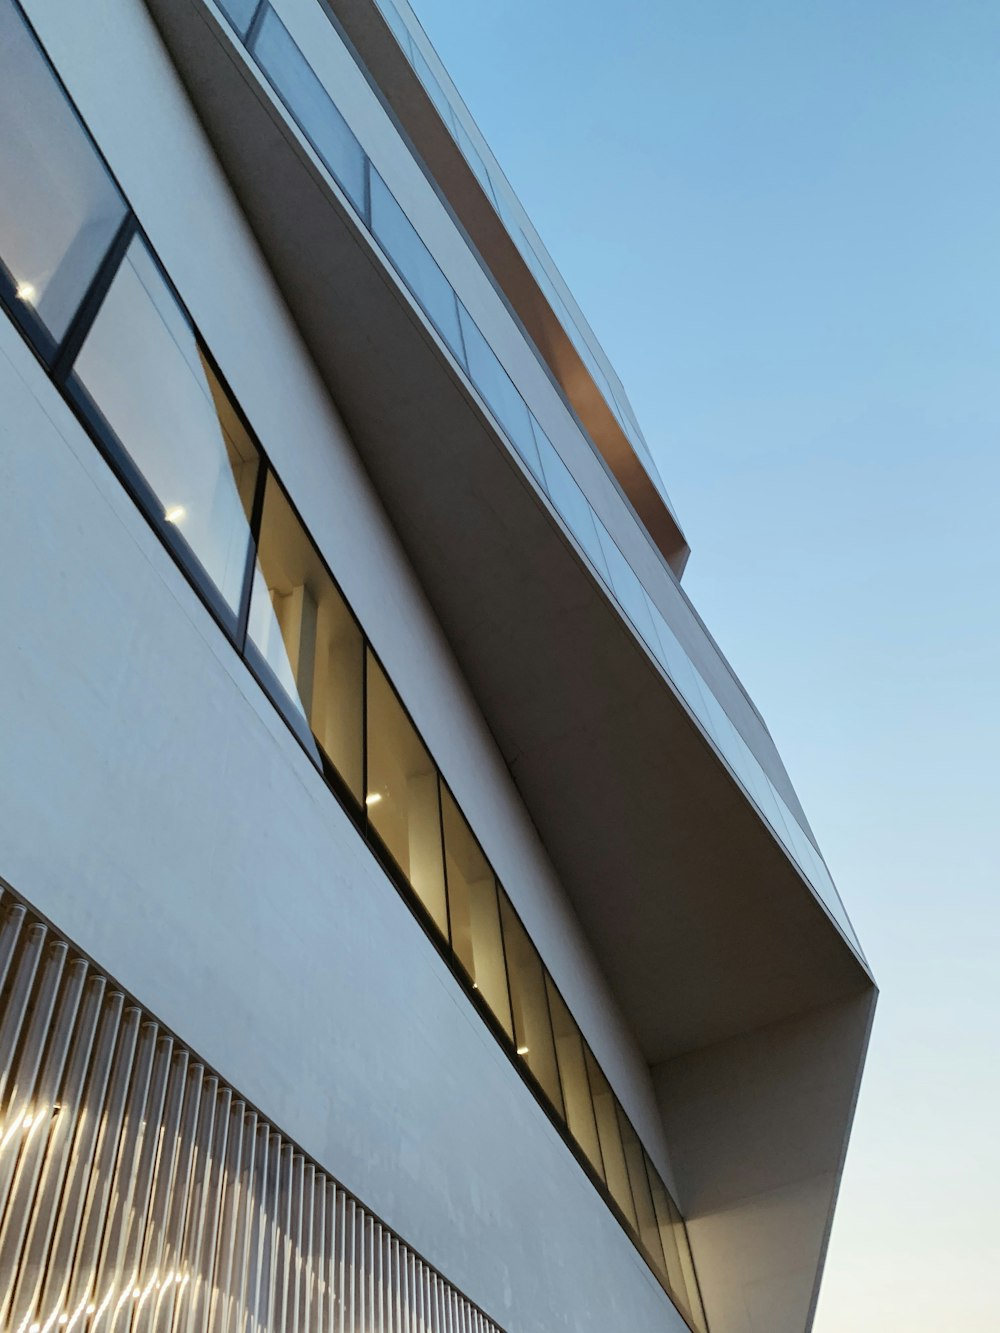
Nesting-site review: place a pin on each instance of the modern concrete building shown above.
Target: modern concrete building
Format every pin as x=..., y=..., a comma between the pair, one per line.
x=407, y=921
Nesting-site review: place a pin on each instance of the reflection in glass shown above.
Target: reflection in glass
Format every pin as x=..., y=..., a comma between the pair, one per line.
x=573, y=1077
x=474, y=912
x=532, y=1025
x=414, y=263
x=402, y=794
x=606, y=1112
x=142, y=369
x=311, y=105
x=239, y=13
x=635, y=1163
x=59, y=210
x=570, y=501
x=627, y=588
x=502, y=398
x=300, y=625
x=677, y=1252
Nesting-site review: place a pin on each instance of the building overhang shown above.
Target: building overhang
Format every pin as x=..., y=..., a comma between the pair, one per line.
x=704, y=927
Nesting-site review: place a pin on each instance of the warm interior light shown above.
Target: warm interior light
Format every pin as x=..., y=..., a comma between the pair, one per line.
x=373, y=798
x=522, y=1050
x=175, y=513
x=25, y=291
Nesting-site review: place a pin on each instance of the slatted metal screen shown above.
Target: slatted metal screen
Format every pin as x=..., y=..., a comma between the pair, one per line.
x=138, y=1192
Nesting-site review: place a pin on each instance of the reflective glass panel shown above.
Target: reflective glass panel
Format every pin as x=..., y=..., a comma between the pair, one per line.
x=635, y=1163
x=474, y=912
x=142, y=369
x=239, y=13
x=395, y=22
x=433, y=87
x=673, y=1236
x=498, y=390
x=627, y=588
x=474, y=159
x=609, y=1133
x=59, y=210
x=402, y=795
x=529, y=1001
x=570, y=501
x=414, y=264
x=300, y=625
x=573, y=1077
x=311, y=105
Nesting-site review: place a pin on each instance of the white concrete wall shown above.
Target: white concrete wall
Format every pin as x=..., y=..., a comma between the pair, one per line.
x=158, y=810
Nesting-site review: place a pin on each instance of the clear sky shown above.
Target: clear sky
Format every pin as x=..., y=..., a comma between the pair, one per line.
x=782, y=219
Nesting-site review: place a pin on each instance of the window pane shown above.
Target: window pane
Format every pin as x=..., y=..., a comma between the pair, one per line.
x=402, y=795
x=629, y=591
x=474, y=912
x=498, y=390
x=673, y=1235
x=635, y=1162
x=532, y=1025
x=59, y=210
x=142, y=369
x=311, y=105
x=434, y=89
x=300, y=625
x=570, y=501
x=605, y=1109
x=239, y=13
x=414, y=263
x=573, y=1077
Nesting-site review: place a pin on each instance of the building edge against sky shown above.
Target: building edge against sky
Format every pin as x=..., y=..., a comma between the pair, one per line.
x=380, y=821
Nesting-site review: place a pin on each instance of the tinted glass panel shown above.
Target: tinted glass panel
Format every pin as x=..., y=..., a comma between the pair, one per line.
x=416, y=267
x=300, y=625
x=503, y=399
x=532, y=1025
x=402, y=795
x=635, y=1162
x=434, y=89
x=239, y=13
x=629, y=591
x=606, y=1112
x=673, y=1236
x=142, y=368
x=311, y=105
x=573, y=1077
x=59, y=210
x=474, y=912
x=570, y=501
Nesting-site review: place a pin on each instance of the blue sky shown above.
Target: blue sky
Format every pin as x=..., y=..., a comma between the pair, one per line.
x=783, y=221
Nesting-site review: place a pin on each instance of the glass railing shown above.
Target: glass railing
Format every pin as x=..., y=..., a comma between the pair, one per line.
x=497, y=189
x=122, y=350
x=316, y=115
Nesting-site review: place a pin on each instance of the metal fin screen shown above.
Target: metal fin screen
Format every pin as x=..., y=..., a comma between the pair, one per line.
x=138, y=1192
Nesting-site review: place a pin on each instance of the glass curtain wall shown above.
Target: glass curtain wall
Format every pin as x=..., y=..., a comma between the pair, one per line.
x=132, y=366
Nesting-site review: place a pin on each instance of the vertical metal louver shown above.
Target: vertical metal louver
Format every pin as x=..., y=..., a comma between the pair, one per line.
x=139, y=1193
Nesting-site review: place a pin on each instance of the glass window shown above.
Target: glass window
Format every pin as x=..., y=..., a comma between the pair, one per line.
x=530, y=1004
x=395, y=22
x=474, y=912
x=239, y=13
x=59, y=210
x=311, y=105
x=498, y=390
x=573, y=1077
x=434, y=90
x=635, y=1163
x=570, y=501
x=673, y=1235
x=157, y=399
x=474, y=159
x=414, y=264
x=308, y=639
x=627, y=588
x=606, y=1112
x=402, y=795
